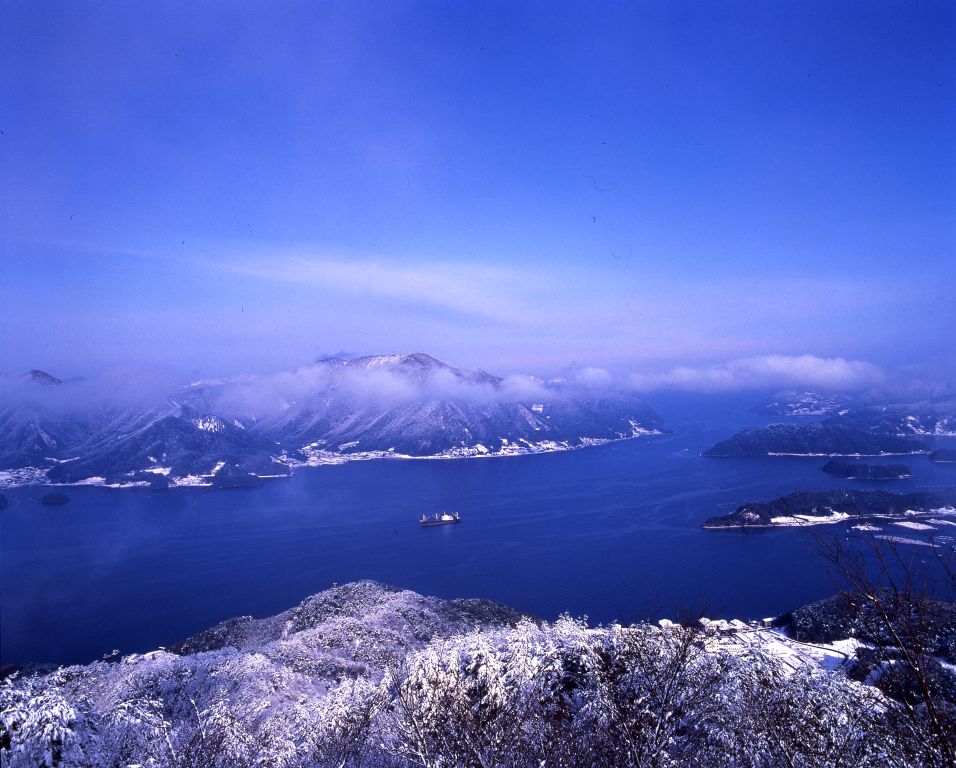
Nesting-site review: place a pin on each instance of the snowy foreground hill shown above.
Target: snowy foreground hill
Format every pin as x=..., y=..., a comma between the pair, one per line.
x=367, y=675
x=235, y=431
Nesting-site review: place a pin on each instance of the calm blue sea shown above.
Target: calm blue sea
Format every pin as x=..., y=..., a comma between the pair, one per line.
x=609, y=532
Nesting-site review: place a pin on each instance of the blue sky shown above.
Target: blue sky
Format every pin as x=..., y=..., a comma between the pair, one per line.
x=517, y=186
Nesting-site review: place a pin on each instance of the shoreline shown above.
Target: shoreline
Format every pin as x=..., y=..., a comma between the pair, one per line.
x=319, y=458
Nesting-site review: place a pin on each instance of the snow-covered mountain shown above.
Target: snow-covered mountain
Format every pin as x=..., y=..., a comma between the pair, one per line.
x=34, y=428
x=416, y=405
x=213, y=432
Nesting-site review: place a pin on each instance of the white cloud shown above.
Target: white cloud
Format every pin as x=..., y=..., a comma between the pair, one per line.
x=592, y=377
x=767, y=371
x=522, y=388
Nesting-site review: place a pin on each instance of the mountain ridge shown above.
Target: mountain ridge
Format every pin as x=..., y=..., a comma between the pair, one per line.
x=215, y=432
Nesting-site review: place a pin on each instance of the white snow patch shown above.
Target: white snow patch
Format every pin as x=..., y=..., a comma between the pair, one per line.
x=914, y=526
x=637, y=430
x=904, y=540
x=210, y=424
x=190, y=481
x=91, y=481
x=801, y=520
x=743, y=640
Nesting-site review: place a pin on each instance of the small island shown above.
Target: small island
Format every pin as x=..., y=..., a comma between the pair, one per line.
x=821, y=507
x=852, y=470
x=943, y=456
x=813, y=440
x=54, y=499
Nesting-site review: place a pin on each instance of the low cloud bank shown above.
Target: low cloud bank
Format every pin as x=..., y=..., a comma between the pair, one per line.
x=357, y=386
x=393, y=381
x=126, y=386
x=365, y=382
x=766, y=372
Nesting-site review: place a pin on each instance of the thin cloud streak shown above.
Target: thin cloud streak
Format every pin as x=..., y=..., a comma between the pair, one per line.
x=466, y=289
x=261, y=308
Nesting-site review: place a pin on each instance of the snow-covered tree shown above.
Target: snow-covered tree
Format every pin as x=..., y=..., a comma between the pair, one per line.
x=41, y=725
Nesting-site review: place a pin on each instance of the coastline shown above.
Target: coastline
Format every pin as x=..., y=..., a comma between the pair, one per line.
x=316, y=457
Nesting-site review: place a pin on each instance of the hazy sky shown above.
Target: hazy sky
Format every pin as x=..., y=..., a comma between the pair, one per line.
x=518, y=186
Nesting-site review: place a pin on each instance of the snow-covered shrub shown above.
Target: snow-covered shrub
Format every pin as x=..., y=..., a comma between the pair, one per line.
x=806, y=717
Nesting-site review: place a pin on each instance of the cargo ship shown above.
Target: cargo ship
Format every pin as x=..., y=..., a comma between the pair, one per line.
x=445, y=518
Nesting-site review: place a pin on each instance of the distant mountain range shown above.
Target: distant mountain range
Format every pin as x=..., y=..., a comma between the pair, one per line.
x=230, y=432
x=929, y=418
x=874, y=412
x=871, y=425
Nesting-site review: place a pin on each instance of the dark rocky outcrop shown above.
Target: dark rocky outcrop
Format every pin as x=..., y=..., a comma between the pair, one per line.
x=37, y=376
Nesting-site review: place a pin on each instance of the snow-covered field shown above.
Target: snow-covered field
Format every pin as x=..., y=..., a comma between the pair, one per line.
x=804, y=520
x=744, y=639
